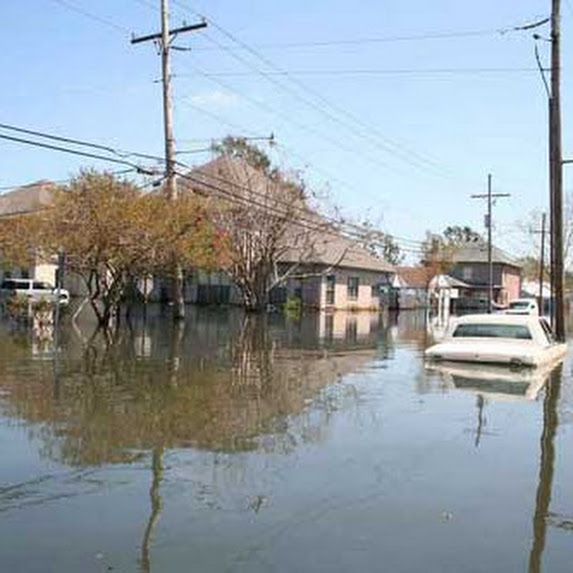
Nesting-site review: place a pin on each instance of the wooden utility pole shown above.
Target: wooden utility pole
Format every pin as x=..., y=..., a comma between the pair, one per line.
x=164, y=39
x=556, y=171
x=542, y=263
x=488, y=223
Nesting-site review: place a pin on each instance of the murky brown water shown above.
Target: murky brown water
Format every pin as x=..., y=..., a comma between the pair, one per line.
x=234, y=445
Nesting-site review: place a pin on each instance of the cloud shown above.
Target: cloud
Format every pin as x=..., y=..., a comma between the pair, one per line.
x=216, y=99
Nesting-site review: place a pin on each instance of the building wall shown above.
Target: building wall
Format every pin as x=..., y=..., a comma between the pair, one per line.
x=45, y=272
x=365, y=299
x=476, y=273
x=511, y=283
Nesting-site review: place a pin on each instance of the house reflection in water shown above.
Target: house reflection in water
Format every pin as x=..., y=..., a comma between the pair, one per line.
x=223, y=383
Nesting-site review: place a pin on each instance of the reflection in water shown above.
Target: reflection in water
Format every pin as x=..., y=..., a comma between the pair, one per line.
x=546, y=470
x=481, y=419
x=155, y=498
x=221, y=382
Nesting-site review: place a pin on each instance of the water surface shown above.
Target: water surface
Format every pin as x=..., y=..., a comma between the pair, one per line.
x=244, y=445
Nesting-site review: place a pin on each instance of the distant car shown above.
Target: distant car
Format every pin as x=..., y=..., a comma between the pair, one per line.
x=523, y=306
x=33, y=290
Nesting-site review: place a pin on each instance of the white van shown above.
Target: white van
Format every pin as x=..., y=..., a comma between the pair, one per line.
x=33, y=290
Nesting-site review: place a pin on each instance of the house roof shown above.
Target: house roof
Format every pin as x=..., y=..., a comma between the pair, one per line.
x=477, y=253
x=327, y=245
x=330, y=248
x=447, y=281
x=413, y=277
x=27, y=199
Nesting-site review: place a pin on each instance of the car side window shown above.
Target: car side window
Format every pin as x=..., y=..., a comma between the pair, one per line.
x=547, y=330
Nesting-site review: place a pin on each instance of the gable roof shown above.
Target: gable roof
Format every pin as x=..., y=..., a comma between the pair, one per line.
x=477, y=253
x=27, y=199
x=413, y=277
x=329, y=247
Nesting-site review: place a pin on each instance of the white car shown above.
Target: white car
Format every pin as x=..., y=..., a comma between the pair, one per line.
x=523, y=306
x=498, y=339
x=32, y=290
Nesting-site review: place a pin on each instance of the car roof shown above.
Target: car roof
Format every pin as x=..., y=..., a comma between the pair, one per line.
x=497, y=319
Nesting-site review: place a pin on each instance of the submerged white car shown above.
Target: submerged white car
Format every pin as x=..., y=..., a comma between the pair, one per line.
x=514, y=340
x=33, y=290
x=523, y=306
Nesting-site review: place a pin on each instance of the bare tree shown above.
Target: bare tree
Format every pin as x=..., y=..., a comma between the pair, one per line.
x=263, y=215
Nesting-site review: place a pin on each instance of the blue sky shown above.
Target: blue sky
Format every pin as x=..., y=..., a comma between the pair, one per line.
x=405, y=149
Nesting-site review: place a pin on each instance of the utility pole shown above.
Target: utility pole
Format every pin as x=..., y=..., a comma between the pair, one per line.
x=164, y=39
x=556, y=170
x=543, y=233
x=542, y=263
x=488, y=223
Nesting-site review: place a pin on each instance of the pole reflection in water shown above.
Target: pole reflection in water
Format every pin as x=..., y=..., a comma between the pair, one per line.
x=546, y=469
x=481, y=419
x=156, y=505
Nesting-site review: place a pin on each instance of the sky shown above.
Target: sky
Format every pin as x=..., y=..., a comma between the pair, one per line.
x=394, y=110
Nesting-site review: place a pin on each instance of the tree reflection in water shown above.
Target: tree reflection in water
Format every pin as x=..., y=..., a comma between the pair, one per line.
x=223, y=382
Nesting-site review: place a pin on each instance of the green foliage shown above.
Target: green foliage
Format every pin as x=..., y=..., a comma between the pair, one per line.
x=458, y=235
x=240, y=148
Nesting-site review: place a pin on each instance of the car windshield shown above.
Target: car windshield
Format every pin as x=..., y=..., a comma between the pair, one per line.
x=517, y=331
x=519, y=305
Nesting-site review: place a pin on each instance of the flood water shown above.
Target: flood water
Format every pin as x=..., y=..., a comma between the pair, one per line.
x=276, y=445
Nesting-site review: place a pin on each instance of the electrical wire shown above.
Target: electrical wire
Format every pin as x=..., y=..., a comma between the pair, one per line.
x=73, y=152
x=58, y=181
x=81, y=143
x=374, y=71
x=92, y=16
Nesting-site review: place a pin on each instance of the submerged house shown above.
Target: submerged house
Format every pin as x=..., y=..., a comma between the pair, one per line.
x=410, y=288
x=317, y=263
x=20, y=202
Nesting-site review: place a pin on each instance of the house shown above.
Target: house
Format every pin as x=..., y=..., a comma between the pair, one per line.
x=24, y=201
x=336, y=274
x=469, y=264
x=318, y=264
x=409, y=288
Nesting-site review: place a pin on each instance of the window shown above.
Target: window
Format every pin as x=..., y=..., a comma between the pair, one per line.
x=547, y=330
x=330, y=284
x=353, y=283
x=467, y=273
x=42, y=286
x=376, y=291
x=519, y=305
x=517, y=331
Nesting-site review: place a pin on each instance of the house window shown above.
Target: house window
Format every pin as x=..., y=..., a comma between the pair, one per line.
x=330, y=284
x=467, y=273
x=353, y=288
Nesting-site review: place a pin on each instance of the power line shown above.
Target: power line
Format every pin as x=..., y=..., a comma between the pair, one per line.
x=92, y=16
x=387, y=144
x=338, y=223
x=439, y=35
x=75, y=152
x=58, y=181
x=80, y=142
x=374, y=71
x=326, y=228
